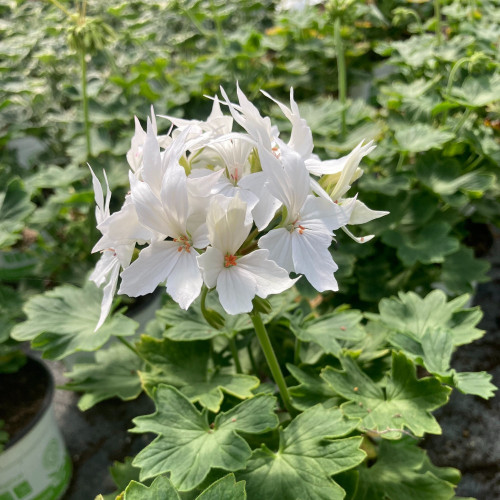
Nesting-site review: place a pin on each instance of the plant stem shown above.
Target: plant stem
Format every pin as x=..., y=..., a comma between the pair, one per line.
x=460, y=124
x=451, y=79
x=60, y=6
x=437, y=15
x=271, y=359
x=401, y=159
x=252, y=359
x=127, y=344
x=342, y=79
x=234, y=352
x=85, y=101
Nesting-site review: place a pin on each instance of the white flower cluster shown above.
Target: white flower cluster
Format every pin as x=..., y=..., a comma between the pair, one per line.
x=237, y=211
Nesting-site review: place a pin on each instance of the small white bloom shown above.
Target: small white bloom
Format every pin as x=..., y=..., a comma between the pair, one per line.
x=238, y=279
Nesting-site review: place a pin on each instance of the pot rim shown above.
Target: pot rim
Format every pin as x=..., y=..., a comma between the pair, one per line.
x=46, y=403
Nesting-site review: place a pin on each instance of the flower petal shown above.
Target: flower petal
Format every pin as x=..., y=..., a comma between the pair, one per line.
x=312, y=259
x=184, y=282
x=269, y=277
x=152, y=267
x=236, y=288
x=279, y=244
x=211, y=264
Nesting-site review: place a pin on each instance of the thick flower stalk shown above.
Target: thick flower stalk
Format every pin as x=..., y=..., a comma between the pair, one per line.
x=235, y=211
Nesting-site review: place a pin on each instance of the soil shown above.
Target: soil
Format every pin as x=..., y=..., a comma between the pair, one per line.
x=22, y=396
x=471, y=425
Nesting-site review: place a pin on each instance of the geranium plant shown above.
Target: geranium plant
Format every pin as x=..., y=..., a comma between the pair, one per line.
x=229, y=221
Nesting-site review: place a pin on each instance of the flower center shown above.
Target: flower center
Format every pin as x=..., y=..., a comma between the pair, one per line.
x=184, y=244
x=229, y=260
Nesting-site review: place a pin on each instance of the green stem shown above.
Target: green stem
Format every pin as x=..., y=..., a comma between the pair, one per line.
x=342, y=79
x=271, y=359
x=128, y=345
x=451, y=79
x=460, y=124
x=61, y=7
x=402, y=156
x=252, y=359
x=437, y=15
x=296, y=353
x=218, y=26
x=234, y=352
x=85, y=101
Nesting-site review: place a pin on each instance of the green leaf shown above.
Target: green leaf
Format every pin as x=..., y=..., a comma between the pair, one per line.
x=477, y=91
x=124, y=472
x=437, y=346
x=417, y=137
x=444, y=178
x=113, y=374
x=160, y=489
x=430, y=245
x=330, y=330
x=308, y=455
x=403, y=471
x=15, y=206
x=188, y=447
x=62, y=321
x=54, y=176
x=225, y=488
x=410, y=313
x=185, y=365
x=477, y=383
x=312, y=389
x=405, y=402
x=461, y=270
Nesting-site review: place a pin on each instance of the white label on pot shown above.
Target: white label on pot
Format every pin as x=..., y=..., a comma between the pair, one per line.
x=37, y=467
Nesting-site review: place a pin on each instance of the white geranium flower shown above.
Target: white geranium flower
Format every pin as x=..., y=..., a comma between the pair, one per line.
x=238, y=279
x=113, y=257
x=173, y=261
x=301, y=243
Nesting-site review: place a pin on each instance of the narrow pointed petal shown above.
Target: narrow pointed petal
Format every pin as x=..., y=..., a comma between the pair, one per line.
x=108, y=294
x=103, y=267
x=184, y=282
x=312, y=259
x=358, y=239
x=152, y=172
x=361, y=213
x=152, y=267
x=149, y=208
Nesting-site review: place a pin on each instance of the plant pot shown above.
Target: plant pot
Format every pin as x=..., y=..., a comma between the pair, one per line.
x=35, y=464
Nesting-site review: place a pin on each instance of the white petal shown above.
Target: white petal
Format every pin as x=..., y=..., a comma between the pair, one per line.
x=227, y=223
x=358, y=239
x=269, y=277
x=152, y=267
x=279, y=244
x=149, y=208
x=361, y=213
x=174, y=198
x=103, y=267
x=152, y=170
x=318, y=210
x=211, y=263
x=312, y=259
x=236, y=288
x=184, y=282
x=263, y=212
x=108, y=294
